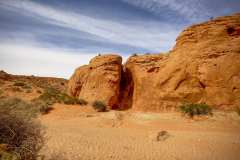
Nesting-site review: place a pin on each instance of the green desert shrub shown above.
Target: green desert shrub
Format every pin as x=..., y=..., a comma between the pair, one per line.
x=42, y=106
x=20, y=132
x=19, y=84
x=22, y=85
x=192, y=109
x=29, y=91
x=26, y=87
x=51, y=96
x=99, y=106
x=82, y=101
x=66, y=99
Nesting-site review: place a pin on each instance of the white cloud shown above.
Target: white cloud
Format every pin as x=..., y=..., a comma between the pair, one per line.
x=150, y=35
x=31, y=59
x=192, y=10
x=34, y=60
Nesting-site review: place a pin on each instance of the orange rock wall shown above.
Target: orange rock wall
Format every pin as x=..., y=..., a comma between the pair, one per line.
x=203, y=67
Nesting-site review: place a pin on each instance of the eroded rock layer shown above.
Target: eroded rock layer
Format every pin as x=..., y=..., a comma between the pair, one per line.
x=203, y=67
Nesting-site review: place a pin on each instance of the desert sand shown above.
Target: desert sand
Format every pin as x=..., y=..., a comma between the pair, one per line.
x=78, y=132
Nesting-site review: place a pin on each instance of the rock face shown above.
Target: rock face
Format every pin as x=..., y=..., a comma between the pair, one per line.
x=203, y=67
x=100, y=80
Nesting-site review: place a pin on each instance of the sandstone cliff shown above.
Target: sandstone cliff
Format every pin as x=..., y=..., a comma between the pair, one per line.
x=204, y=66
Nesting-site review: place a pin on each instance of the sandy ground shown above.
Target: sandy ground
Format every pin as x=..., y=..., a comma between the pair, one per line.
x=79, y=133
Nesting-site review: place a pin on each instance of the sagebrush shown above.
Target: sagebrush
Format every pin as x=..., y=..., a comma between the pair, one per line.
x=99, y=106
x=192, y=109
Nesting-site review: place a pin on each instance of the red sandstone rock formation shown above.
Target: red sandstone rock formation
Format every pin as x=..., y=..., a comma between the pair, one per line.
x=100, y=80
x=203, y=67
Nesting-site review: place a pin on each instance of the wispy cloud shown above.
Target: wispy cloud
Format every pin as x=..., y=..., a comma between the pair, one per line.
x=152, y=35
x=192, y=10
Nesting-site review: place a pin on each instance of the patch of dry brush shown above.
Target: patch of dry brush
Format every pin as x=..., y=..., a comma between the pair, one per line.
x=20, y=133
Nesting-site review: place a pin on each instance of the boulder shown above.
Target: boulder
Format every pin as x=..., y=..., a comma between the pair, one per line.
x=98, y=81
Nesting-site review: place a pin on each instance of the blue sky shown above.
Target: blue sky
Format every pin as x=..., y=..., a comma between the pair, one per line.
x=53, y=37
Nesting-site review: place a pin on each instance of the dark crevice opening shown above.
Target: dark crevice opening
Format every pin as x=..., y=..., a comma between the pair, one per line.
x=126, y=90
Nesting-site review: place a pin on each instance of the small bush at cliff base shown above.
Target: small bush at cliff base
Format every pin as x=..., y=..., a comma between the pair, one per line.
x=99, y=106
x=82, y=101
x=195, y=109
x=21, y=136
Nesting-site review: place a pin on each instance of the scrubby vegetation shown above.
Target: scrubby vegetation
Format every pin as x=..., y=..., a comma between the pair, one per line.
x=82, y=101
x=51, y=95
x=16, y=89
x=21, y=136
x=99, y=106
x=42, y=106
x=192, y=109
x=19, y=84
x=29, y=91
x=26, y=87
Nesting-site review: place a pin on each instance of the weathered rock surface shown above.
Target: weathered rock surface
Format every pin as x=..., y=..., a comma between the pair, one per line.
x=100, y=80
x=203, y=67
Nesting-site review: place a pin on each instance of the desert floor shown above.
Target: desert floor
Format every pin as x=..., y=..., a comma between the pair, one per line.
x=77, y=132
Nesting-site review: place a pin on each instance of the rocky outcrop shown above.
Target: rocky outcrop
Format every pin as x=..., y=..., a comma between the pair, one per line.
x=100, y=80
x=203, y=67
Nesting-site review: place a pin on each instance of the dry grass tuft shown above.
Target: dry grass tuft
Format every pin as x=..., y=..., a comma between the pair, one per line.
x=99, y=106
